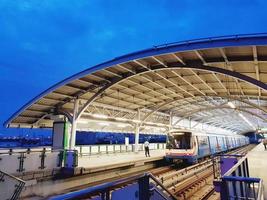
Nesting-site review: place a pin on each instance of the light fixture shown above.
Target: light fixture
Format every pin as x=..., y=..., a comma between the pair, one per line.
x=231, y=105
x=136, y=121
x=122, y=125
x=100, y=116
x=120, y=119
x=103, y=123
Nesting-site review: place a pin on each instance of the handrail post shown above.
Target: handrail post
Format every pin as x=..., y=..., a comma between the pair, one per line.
x=143, y=183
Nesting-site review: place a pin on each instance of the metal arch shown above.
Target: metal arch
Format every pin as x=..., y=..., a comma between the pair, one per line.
x=213, y=118
x=203, y=43
x=243, y=101
x=224, y=97
x=65, y=113
x=191, y=65
x=214, y=108
x=199, y=66
x=44, y=116
x=218, y=124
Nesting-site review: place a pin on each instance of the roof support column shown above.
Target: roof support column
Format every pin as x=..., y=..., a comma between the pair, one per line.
x=74, y=125
x=170, y=122
x=190, y=122
x=71, y=155
x=137, y=131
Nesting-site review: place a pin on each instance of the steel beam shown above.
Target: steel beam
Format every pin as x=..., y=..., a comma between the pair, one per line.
x=190, y=65
x=214, y=108
x=74, y=125
x=137, y=130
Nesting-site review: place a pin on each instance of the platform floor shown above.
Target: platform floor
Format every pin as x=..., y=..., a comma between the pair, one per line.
x=257, y=160
x=94, y=163
x=105, y=160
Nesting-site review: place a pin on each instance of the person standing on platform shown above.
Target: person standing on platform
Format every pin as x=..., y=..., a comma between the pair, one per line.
x=265, y=143
x=146, y=144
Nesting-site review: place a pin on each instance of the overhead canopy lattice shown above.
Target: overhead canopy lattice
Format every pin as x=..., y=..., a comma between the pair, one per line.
x=193, y=80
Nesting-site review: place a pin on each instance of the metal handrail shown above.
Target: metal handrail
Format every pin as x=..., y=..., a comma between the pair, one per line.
x=97, y=189
x=241, y=179
x=28, y=151
x=19, y=186
x=49, y=149
x=161, y=185
x=157, y=191
x=230, y=171
x=260, y=189
x=108, y=187
x=233, y=178
x=248, y=180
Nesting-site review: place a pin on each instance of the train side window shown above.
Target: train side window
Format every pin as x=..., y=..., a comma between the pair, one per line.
x=203, y=140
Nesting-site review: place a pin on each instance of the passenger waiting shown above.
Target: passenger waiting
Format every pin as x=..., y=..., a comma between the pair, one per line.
x=265, y=143
x=146, y=144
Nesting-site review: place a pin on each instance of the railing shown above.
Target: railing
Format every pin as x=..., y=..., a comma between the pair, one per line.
x=16, y=161
x=10, y=186
x=87, y=150
x=142, y=187
x=235, y=183
x=243, y=188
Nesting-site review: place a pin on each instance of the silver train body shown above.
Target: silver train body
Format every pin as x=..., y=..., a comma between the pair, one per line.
x=190, y=146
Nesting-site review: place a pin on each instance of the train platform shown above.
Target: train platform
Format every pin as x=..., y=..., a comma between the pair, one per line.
x=108, y=161
x=95, y=168
x=258, y=164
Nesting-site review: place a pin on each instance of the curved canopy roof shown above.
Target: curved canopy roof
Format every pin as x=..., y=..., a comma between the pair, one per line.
x=193, y=80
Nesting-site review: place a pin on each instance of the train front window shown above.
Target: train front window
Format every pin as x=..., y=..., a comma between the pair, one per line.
x=179, y=141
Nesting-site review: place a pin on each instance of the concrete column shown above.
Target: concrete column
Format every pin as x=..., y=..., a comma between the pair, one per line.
x=74, y=124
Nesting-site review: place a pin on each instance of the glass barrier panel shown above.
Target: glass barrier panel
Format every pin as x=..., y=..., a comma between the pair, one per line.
x=10, y=186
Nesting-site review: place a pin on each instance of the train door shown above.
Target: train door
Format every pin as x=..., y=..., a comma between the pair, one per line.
x=218, y=147
x=239, y=142
x=224, y=143
x=232, y=143
x=227, y=143
x=203, y=146
x=213, y=144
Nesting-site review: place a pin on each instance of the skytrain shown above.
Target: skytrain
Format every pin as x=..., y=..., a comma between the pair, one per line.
x=190, y=146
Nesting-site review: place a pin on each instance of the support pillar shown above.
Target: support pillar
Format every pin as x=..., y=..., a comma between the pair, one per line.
x=170, y=122
x=136, y=145
x=73, y=125
x=71, y=154
x=190, y=122
x=137, y=130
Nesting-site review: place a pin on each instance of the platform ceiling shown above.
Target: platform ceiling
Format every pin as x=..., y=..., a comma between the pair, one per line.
x=191, y=80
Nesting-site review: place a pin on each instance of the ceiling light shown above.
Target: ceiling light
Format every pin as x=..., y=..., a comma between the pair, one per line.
x=231, y=105
x=103, y=123
x=100, y=116
x=122, y=125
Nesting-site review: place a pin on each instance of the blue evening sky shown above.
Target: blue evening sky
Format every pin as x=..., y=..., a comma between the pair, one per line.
x=45, y=41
